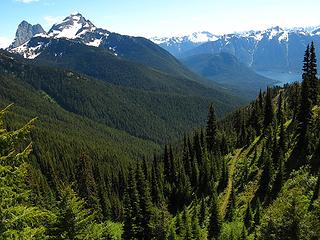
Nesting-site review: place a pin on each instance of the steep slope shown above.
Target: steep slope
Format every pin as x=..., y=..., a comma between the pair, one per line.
x=102, y=64
x=25, y=32
x=226, y=69
x=146, y=114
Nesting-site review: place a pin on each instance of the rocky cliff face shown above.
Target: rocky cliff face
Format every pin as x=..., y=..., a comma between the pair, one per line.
x=25, y=32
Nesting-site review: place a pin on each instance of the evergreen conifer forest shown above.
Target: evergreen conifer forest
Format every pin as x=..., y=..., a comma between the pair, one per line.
x=253, y=174
x=106, y=136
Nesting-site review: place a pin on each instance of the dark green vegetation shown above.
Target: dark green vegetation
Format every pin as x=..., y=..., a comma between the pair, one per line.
x=226, y=69
x=252, y=175
x=104, y=65
x=160, y=115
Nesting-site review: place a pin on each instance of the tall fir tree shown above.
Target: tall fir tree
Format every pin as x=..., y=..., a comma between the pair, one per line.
x=248, y=218
x=19, y=218
x=304, y=117
x=132, y=209
x=74, y=220
x=203, y=212
x=314, y=82
x=268, y=109
x=215, y=222
x=86, y=183
x=278, y=182
x=145, y=205
x=306, y=63
x=196, y=229
x=211, y=130
x=167, y=164
x=156, y=186
x=187, y=224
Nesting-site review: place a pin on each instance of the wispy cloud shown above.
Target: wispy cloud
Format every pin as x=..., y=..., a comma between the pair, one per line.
x=4, y=42
x=27, y=1
x=50, y=20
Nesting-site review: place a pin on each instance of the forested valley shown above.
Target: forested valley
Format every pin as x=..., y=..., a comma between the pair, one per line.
x=253, y=174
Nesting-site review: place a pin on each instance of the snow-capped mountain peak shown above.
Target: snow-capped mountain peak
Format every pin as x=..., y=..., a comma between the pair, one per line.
x=201, y=37
x=196, y=37
x=72, y=27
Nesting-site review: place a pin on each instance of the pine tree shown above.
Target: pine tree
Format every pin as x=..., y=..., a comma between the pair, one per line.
x=257, y=215
x=160, y=222
x=187, y=224
x=19, y=219
x=167, y=164
x=184, y=189
x=301, y=150
x=198, y=150
x=280, y=109
x=196, y=229
x=214, y=227
x=186, y=158
x=268, y=109
x=87, y=186
x=314, y=82
x=181, y=228
x=74, y=221
x=248, y=218
x=278, y=182
x=203, y=212
x=306, y=63
x=172, y=233
x=243, y=234
x=156, y=189
x=260, y=100
x=145, y=169
x=211, y=130
x=132, y=209
x=224, y=176
x=145, y=205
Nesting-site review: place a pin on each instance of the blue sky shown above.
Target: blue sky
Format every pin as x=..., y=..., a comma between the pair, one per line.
x=162, y=17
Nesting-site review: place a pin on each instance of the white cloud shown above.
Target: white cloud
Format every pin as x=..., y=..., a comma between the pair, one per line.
x=4, y=42
x=50, y=20
x=27, y=1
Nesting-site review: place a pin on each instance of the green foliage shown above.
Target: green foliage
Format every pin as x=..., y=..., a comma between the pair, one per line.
x=288, y=217
x=214, y=227
x=74, y=221
x=19, y=219
x=232, y=231
x=211, y=130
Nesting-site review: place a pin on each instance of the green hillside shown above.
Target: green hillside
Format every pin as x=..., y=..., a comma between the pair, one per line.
x=252, y=175
x=225, y=69
x=158, y=116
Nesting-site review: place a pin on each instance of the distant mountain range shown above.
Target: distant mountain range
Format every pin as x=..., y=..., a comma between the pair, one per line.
x=273, y=49
x=227, y=70
x=78, y=29
x=127, y=83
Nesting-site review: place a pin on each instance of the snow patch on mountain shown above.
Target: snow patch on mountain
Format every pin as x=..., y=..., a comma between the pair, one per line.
x=29, y=52
x=74, y=27
x=95, y=43
x=71, y=27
